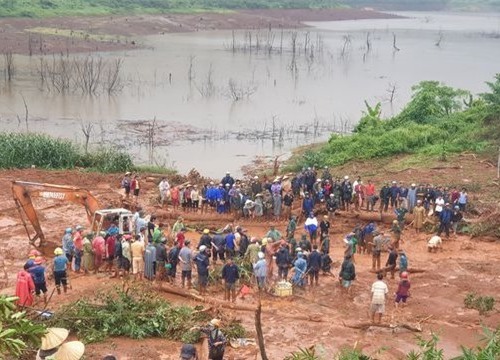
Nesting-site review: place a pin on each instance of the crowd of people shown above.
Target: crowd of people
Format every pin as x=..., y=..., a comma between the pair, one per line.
x=155, y=251
x=264, y=197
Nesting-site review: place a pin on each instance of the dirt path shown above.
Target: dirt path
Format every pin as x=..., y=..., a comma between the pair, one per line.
x=437, y=294
x=87, y=34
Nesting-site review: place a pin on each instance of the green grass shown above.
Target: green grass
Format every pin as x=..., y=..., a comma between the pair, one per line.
x=42, y=151
x=154, y=169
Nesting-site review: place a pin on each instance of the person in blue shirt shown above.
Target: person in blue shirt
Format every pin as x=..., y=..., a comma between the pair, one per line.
x=202, y=265
x=38, y=274
x=228, y=179
x=68, y=246
x=230, y=245
x=59, y=266
x=300, y=266
x=230, y=274
x=307, y=204
x=260, y=270
x=394, y=191
x=314, y=265
x=445, y=220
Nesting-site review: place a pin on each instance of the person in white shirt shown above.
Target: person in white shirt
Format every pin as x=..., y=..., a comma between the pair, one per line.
x=439, y=206
x=379, y=294
x=164, y=188
x=434, y=243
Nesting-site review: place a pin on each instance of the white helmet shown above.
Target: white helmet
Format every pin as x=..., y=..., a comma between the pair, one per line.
x=203, y=248
x=260, y=255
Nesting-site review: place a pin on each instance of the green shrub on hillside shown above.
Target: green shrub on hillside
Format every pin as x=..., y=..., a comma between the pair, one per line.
x=438, y=120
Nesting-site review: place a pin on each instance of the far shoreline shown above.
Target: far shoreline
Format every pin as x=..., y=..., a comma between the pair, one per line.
x=71, y=34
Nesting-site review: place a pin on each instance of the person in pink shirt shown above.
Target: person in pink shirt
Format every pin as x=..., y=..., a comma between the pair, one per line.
x=25, y=286
x=98, y=249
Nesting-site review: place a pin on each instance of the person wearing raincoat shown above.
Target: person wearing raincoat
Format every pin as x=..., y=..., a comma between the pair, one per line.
x=300, y=266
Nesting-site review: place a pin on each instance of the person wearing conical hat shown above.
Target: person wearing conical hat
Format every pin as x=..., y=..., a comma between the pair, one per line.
x=51, y=342
x=72, y=350
x=59, y=267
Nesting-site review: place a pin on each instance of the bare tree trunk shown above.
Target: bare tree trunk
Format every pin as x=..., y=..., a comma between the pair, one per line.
x=258, y=329
x=9, y=65
x=498, y=164
x=26, y=113
x=87, y=131
x=394, y=42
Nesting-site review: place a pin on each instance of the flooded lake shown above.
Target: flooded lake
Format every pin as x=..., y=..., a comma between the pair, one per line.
x=219, y=100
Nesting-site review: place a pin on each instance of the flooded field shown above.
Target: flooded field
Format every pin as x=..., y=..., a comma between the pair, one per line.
x=214, y=100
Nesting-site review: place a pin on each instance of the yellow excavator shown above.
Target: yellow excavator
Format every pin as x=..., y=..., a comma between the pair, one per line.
x=24, y=191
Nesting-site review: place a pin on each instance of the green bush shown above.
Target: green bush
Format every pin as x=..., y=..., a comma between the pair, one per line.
x=437, y=121
x=483, y=304
x=108, y=160
x=26, y=150
x=136, y=313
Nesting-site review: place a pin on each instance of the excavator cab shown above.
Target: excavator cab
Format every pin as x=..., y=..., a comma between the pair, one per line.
x=102, y=219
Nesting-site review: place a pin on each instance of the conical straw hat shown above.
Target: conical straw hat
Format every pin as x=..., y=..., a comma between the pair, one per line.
x=53, y=338
x=72, y=350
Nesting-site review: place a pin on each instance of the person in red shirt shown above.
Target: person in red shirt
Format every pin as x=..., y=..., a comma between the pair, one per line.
x=180, y=238
x=78, y=242
x=370, y=196
x=110, y=253
x=25, y=286
x=135, y=187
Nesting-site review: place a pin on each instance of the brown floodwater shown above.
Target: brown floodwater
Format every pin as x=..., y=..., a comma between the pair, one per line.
x=283, y=100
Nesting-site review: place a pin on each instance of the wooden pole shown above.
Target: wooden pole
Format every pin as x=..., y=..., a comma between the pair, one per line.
x=258, y=329
x=498, y=164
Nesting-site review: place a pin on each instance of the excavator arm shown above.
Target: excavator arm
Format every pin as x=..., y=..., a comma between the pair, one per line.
x=23, y=192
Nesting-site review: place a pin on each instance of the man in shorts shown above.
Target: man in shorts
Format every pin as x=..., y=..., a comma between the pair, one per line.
x=347, y=274
x=59, y=266
x=379, y=293
x=403, y=291
x=230, y=274
x=186, y=260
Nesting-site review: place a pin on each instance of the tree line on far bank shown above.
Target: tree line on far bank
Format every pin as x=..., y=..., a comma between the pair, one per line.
x=41, y=8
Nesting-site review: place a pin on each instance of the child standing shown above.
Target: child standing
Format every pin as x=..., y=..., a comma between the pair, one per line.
x=403, y=291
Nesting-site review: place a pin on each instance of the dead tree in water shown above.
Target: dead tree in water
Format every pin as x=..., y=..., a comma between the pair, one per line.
x=345, y=47
x=439, y=40
x=88, y=74
x=394, y=42
x=26, y=114
x=113, y=81
x=392, y=92
x=87, y=131
x=9, y=65
x=191, y=73
x=368, y=43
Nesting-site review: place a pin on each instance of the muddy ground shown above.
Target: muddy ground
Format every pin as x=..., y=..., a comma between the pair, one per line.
x=108, y=33
x=436, y=304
